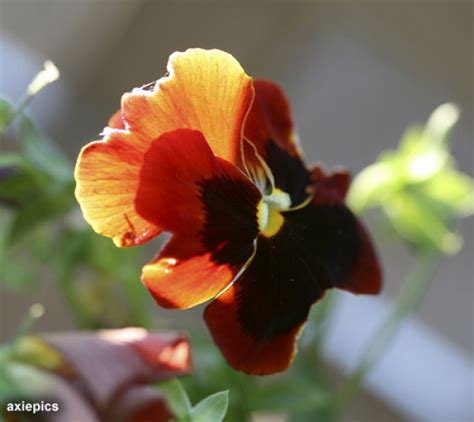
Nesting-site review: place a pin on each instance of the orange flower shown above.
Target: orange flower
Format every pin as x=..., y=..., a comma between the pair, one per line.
x=211, y=156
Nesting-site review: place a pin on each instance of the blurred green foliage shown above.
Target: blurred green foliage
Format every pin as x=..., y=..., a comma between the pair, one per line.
x=43, y=227
x=212, y=408
x=6, y=114
x=418, y=187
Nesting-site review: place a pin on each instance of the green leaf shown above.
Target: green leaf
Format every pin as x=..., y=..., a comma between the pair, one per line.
x=20, y=183
x=11, y=159
x=454, y=189
x=418, y=187
x=6, y=113
x=16, y=185
x=290, y=395
x=177, y=399
x=42, y=153
x=440, y=123
x=16, y=276
x=46, y=206
x=373, y=186
x=212, y=408
x=415, y=220
x=33, y=350
x=74, y=246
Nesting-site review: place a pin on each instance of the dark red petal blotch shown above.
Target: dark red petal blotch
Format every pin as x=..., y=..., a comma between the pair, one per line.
x=208, y=205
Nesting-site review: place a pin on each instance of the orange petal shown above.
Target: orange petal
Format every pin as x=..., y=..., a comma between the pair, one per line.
x=206, y=90
x=116, y=120
x=107, y=175
x=180, y=278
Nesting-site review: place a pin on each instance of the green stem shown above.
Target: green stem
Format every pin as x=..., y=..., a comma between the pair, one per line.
x=138, y=302
x=410, y=295
x=70, y=295
x=25, y=100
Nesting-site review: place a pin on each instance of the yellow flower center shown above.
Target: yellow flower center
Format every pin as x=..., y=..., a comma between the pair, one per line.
x=269, y=210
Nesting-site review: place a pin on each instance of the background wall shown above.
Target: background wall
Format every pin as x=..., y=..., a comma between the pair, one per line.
x=357, y=74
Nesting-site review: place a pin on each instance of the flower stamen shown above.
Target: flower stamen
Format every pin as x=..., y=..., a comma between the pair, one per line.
x=269, y=210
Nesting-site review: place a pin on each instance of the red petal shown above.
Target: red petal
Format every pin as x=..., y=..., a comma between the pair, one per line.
x=178, y=170
x=269, y=126
x=242, y=350
x=208, y=205
x=329, y=188
x=366, y=274
x=270, y=119
x=365, y=277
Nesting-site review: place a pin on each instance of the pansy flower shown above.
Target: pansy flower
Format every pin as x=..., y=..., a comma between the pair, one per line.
x=211, y=156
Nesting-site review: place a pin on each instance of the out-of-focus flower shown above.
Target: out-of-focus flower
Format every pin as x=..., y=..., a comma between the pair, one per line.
x=48, y=75
x=211, y=156
x=418, y=186
x=102, y=376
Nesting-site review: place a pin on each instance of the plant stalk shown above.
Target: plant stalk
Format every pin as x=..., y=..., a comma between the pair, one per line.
x=409, y=297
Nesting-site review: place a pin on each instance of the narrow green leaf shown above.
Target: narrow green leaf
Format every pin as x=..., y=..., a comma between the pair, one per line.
x=414, y=220
x=212, y=408
x=295, y=395
x=453, y=189
x=6, y=113
x=177, y=399
x=16, y=276
x=11, y=159
x=47, y=205
x=16, y=187
x=74, y=246
x=42, y=153
x=373, y=186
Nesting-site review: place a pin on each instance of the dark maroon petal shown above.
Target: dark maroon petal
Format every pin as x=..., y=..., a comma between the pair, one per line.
x=269, y=127
x=289, y=171
x=329, y=188
x=257, y=320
